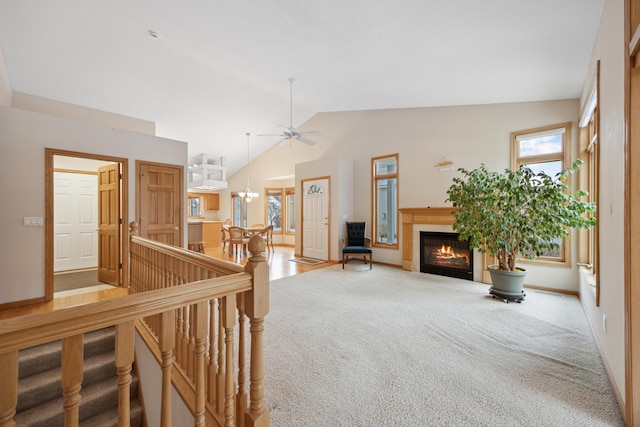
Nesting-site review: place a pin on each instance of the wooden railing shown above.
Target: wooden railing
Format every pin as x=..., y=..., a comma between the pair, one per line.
x=185, y=307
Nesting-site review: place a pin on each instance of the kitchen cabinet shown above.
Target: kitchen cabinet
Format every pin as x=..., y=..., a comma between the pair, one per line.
x=212, y=202
x=209, y=232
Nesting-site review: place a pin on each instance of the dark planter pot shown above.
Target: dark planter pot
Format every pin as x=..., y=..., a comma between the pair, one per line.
x=507, y=284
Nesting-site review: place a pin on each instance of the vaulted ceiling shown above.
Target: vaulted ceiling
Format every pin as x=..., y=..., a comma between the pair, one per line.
x=208, y=71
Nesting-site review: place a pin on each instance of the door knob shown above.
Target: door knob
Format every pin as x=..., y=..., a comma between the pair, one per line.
x=176, y=228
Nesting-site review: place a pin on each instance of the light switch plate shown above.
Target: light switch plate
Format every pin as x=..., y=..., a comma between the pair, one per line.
x=33, y=221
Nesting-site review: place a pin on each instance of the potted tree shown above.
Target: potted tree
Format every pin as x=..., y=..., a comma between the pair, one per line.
x=516, y=214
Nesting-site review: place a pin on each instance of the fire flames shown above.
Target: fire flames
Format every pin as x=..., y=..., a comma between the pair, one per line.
x=447, y=255
x=448, y=252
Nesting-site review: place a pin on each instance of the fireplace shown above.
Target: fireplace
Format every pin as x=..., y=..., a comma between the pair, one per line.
x=444, y=254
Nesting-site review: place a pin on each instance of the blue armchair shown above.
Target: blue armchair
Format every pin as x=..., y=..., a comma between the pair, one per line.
x=356, y=244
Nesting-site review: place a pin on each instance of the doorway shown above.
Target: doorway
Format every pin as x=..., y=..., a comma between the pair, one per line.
x=85, y=209
x=315, y=218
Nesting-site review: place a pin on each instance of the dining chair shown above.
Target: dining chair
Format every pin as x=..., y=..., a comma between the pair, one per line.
x=225, y=238
x=237, y=237
x=267, y=234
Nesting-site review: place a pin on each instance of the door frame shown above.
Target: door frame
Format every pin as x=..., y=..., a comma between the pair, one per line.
x=302, y=182
x=49, y=154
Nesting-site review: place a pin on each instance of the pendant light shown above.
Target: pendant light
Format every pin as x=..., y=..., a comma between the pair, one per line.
x=247, y=195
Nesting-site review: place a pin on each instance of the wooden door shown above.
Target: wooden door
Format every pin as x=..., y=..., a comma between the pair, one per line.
x=109, y=223
x=315, y=219
x=75, y=220
x=159, y=205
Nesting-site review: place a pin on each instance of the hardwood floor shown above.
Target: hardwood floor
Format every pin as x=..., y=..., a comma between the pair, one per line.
x=279, y=266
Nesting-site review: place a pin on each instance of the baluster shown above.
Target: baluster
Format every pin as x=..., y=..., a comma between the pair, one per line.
x=124, y=360
x=229, y=320
x=184, y=341
x=9, y=395
x=241, y=398
x=199, y=333
x=72, y=358
x=213, y=367
x=167, y=343
x=257, y=307
x=178, y=352
x=221, y=373
x=192, y=342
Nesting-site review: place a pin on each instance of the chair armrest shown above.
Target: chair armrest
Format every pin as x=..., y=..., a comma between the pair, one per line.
x=367, y=242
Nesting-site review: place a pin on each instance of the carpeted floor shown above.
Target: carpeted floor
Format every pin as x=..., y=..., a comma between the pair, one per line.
x=388, y=347
x=75, y=280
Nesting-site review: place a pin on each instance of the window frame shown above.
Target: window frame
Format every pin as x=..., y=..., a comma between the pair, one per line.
x=270, y=192
x=564, y=156
x=589, y=152
x=289, y=192
x=243, y=210
x=375, y=177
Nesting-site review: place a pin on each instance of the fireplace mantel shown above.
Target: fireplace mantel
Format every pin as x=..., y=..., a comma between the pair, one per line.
x=411, y=216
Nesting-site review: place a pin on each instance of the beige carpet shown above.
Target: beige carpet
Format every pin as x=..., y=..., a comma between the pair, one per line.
x=388, y=347
x=75, y=280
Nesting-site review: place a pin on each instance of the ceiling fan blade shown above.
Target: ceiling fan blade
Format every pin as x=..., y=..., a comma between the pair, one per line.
x=310, y=133
x=306, y=141
x=270, y=134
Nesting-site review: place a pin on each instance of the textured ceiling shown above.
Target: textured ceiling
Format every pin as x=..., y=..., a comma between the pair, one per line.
x=219, y=69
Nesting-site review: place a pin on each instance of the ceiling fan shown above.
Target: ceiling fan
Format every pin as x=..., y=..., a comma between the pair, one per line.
x=289, y=132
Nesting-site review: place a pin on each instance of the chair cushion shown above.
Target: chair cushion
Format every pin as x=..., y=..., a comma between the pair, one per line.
x=356, y=250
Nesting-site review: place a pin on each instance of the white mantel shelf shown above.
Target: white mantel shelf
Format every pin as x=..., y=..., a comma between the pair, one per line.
x=428, y=215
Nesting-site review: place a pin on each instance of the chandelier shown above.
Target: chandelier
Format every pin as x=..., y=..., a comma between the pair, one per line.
x=247, y=195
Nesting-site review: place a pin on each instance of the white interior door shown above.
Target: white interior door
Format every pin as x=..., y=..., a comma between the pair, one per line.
x=75, y=221
x=315, y=219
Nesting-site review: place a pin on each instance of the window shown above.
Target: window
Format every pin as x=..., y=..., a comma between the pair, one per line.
x=194, y=206
x=385, y=200
x=290, y=210
x=239, y=211
x=544, y=149
x=589, y=152
x=273, y=200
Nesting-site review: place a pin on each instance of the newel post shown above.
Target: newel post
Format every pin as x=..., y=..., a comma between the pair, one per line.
x=256, y=307
x=9, y=395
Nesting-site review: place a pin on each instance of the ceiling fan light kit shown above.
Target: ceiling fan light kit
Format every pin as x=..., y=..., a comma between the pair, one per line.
x=291, y=133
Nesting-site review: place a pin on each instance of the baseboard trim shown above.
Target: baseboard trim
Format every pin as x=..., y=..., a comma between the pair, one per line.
x=15, y=304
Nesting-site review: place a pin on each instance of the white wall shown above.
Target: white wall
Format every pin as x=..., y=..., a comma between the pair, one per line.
x=24, y=136
x=609, y=49
x=65, y=110
x=467, y=135
x=5, y=85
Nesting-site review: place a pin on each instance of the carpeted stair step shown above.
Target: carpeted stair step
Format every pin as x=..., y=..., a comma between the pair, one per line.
x=41, y=358
x=97, y=399
x=40, y=397
x=37, y=389
x=110, y=418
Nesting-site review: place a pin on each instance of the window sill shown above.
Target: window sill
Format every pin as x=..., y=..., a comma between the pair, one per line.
x=385, y=246
x=588, y=277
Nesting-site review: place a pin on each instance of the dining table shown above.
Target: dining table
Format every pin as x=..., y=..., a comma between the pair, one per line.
x=248, y=231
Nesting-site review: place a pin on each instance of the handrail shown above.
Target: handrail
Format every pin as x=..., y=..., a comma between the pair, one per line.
x=38, y=328
x=186, y=307
x=195, y=258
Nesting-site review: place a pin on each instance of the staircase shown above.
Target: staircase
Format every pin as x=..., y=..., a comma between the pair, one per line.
x=40, y=399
